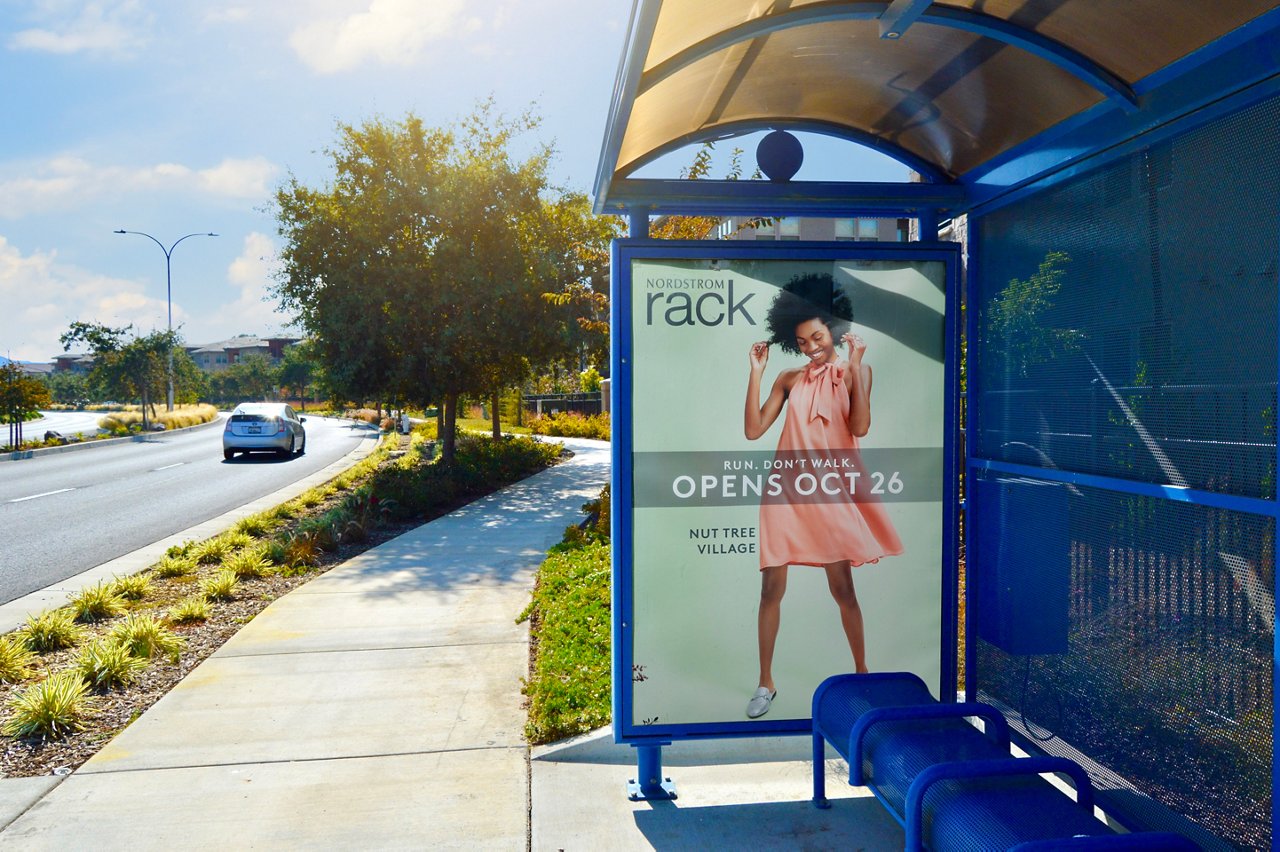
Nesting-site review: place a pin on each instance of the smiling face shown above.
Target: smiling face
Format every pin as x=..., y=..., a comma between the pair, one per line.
x=814, y=340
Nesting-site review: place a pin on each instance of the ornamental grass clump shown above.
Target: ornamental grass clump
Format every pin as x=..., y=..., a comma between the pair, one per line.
x=211, y=551
x=220, y=587
x=17, y=663
x=237, y=540
x=135, y=587
x=97, y=603
x=53, y=708
x=256, y=526
x=145, y=636
x=174, y=566
x=52, y=630
x=105, y=664
x=247, y=564
x=189, y=610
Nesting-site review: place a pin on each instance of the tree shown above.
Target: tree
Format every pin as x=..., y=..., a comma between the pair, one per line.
x=68, y=387
x=299, y=370
x=21, y=398
x=420, y=272
x=128, y=368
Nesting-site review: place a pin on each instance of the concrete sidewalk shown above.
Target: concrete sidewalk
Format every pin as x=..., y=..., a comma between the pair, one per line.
x=379, y=707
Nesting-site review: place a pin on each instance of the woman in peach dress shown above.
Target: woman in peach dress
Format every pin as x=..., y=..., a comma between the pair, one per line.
x=828, y=407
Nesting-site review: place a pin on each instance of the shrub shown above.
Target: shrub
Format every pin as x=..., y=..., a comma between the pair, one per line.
x=569, y=424
x=108, y=665
x=301, y=550
x=135, y=587
x=219, y=587
x=174, y=566
x=16, y=660
x=177, y=550
x=145, y=636
x=52, y=630
x=211, y=551
x=189, y=610
x=97, y=602
x=256, y=526
x=237, y=540
x=247, y=564
x=56, y=706
x=569, y=683
x=388, y=424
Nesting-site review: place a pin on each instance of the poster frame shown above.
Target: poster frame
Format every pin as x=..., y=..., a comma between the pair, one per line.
x=623, y=252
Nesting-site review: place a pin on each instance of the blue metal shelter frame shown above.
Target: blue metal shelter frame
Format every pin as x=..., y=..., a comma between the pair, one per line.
x=1227, y=75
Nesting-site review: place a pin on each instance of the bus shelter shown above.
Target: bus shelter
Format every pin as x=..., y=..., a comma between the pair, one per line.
x=1105, y=180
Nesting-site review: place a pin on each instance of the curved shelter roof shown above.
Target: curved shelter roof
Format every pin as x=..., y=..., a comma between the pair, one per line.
x=947, y=87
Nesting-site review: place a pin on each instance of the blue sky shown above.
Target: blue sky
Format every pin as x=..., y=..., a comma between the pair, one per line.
x=172, y=117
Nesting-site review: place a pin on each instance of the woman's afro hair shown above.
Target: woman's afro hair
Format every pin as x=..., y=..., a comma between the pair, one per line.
x=806, y=297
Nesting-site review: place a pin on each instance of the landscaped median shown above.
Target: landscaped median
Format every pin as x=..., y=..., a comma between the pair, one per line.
x=71, y=678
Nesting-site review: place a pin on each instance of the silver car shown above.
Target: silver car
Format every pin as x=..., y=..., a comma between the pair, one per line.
x=264, y=427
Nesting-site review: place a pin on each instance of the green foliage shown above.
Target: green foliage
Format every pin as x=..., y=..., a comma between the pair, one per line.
x=219, y=587
x=105, y=664
x=52, y=630
x=569, y=684
x=1017, y=318
x=569, y=615
x=247, y=564
x=237, y=540
x=21, y=398
x=569, y=424
x=146, y=636
x=133, y=367
x=183, y=549
x=189, y=610
x=256, y=526
x=590, y=380
x=16, y=660
x=97, y=602
x=211, y=551
x=135, y=587
x=174, y=566
x=53, y=708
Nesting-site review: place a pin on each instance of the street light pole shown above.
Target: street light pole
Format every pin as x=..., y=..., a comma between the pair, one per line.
x=168, y=289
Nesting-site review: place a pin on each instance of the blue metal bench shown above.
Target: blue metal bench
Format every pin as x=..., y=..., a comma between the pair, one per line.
x=951, y=786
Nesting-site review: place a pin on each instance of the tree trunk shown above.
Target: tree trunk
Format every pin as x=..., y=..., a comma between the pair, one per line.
x=497, y=416
x=439, y=420
x=447, y=437
x=145, y=422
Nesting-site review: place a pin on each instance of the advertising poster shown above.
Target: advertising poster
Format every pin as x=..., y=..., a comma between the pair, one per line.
x=786, y=482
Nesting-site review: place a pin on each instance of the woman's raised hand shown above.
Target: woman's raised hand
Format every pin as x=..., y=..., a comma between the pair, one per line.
x=856, y=345
x=759, y=355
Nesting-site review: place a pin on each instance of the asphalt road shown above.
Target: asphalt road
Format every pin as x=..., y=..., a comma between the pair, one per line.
x=65, y=513
x=64, y=422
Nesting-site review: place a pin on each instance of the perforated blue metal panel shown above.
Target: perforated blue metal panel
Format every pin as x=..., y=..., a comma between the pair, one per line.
x=1126, y=338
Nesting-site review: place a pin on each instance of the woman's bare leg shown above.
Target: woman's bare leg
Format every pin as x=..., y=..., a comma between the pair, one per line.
x=840, y=582
x=773, y=585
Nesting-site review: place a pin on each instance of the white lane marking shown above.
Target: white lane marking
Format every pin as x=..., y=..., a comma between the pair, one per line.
x=45, y=494
x=166, y=467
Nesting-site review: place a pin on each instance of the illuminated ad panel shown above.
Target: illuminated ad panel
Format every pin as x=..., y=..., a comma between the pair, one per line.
x=779, y=477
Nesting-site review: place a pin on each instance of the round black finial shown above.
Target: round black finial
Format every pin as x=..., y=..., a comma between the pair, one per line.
x=779, y=156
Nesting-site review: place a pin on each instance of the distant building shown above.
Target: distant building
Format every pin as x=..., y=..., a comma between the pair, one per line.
x=857, y=229
x=76, y=362
x=215, y=357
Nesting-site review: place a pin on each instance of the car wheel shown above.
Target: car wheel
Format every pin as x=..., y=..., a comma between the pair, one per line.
x=289, y=452
x=228, y=454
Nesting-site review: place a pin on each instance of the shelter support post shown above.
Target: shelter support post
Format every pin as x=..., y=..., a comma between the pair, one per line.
x=649, y=783
x=638, y=220
x=928, y=220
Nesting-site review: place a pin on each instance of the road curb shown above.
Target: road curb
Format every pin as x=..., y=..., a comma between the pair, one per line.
x=22, y=455
x=16, y=612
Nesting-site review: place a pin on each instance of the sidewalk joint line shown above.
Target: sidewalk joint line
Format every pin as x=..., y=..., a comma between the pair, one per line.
x=283, y=761
x=234, y=656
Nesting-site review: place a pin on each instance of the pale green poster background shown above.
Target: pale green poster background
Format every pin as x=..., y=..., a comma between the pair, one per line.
x=695, y=639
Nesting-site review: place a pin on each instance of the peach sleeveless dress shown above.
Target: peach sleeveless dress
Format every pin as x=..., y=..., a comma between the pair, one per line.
x=807, y=532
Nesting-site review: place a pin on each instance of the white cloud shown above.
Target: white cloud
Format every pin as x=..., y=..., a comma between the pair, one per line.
x=66, y=182
x=43, y=296
x=105, y=29
x=392, y=32
x=252, y=310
